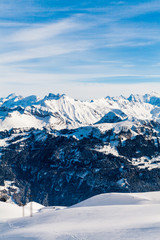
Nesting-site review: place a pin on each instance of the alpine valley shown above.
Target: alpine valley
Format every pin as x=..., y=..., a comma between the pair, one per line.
x=60, y=151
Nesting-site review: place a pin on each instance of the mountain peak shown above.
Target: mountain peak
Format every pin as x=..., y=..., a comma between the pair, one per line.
x=134, y=98
x=52, y=96
x=60, y=111
x=10, y=96
x=13, y=97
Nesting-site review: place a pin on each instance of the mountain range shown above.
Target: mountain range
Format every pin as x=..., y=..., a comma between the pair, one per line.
x=59, y=150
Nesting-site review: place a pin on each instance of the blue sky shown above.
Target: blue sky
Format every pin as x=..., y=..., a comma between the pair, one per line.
x=86, y=49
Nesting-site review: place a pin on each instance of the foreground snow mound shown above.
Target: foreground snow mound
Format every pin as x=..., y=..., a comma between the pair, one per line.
x=121, y=199
x=95, y=218
x=106, y=216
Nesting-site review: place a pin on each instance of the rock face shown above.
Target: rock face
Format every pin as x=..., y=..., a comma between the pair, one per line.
x=113, y=117
x=117, y=150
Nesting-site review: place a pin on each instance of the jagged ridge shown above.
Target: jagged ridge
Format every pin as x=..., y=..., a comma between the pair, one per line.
x=60, y=111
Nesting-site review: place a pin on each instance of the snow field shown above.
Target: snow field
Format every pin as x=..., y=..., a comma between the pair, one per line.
x=9, y=210
x=117, y=216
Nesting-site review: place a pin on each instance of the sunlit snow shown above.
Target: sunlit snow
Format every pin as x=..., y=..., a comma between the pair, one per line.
x=113, y=216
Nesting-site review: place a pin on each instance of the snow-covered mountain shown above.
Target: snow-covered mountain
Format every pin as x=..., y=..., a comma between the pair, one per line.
x=61, y=112
x=58, y=147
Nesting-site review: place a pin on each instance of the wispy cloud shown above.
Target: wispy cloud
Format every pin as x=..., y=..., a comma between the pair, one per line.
x=40, y=52
x=38, y=41
x=46, y=31
x=140, y=9
x=82, y=45
x=117, y=10
x=131, y=35
x=18, y=9
x=125, y=10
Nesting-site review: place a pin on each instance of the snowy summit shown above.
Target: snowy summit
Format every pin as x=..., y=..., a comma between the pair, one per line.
x=60, y=111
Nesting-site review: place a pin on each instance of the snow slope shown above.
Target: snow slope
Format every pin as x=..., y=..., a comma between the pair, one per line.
x=9, y=210
x=107, y=216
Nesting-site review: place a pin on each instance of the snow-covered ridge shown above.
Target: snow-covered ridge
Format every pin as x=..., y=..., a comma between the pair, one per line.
x=60, y=111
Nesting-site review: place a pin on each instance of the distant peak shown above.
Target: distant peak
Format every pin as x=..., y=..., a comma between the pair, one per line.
x=134, y=98
x=115, y=99
x=109, y=98
x=156, y=94
x=52, y=96
x=121, y=96
x=10, y=96
x=152, y=94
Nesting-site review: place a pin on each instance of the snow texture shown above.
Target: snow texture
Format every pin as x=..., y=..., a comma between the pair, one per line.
x=114, y=216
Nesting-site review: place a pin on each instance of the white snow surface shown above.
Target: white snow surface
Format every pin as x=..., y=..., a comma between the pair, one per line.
x=10, y=210
x=60, y=111
x=113, y=216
